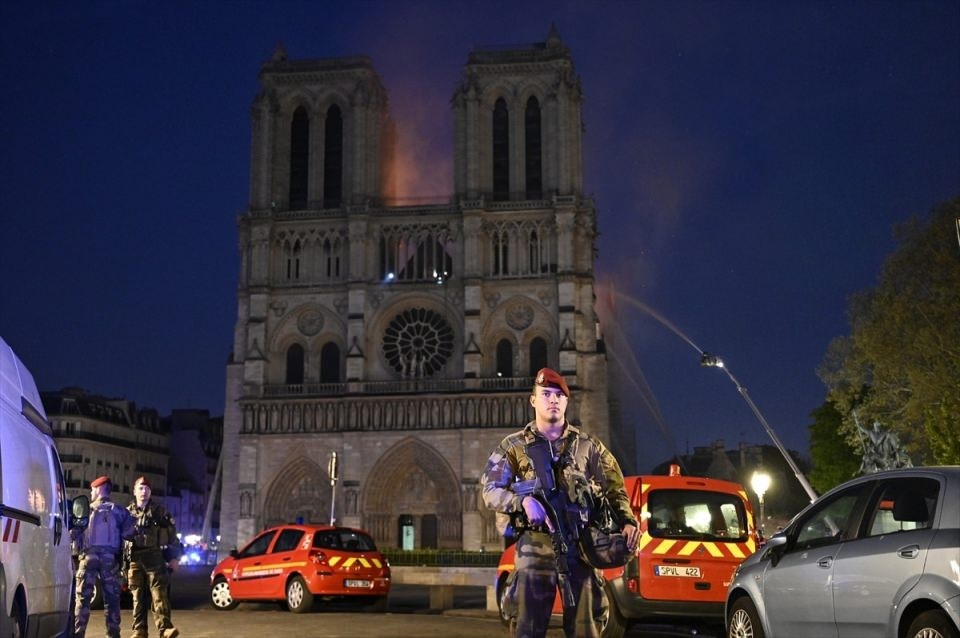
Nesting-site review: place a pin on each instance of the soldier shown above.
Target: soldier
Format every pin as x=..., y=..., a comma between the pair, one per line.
x=154, y=555
x=98, y=546
x=577, y=457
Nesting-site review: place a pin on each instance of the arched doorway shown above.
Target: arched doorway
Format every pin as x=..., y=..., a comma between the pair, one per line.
x=300, y=492
x=413, y=480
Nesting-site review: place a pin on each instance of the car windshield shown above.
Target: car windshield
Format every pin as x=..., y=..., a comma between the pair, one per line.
x=699, y=514
x=344, y=539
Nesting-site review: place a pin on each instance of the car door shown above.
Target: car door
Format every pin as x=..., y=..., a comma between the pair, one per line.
x=247, y=573
x=282, y=559
x=797, y=592
x=877, y=569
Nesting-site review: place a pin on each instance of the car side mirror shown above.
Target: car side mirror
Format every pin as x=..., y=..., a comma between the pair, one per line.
x=775, y=548
x=234, y=553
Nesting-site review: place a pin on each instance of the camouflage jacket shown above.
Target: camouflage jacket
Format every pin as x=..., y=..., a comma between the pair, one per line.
x=583, y=458
x=156, y=530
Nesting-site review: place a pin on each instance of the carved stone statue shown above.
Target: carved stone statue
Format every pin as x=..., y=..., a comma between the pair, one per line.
x=881, y=450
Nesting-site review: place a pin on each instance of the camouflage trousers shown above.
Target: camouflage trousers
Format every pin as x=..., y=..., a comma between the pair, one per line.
x=149, y=584
x=94, y=564
x=535, y=589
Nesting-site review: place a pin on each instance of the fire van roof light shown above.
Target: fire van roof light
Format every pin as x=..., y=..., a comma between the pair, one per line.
x=674, y=469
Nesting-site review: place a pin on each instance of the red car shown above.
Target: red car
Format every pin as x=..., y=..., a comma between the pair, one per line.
x=296, y=563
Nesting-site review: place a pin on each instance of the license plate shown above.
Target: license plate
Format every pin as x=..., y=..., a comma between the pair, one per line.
x=359, y=584
x=672, y=570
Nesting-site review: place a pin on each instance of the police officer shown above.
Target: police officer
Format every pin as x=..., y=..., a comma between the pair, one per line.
x=154, y=554
x=581, y=455
x=98, y=546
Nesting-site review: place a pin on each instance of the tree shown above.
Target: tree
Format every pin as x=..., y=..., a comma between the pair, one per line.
x=900, y=365
x=834, y=460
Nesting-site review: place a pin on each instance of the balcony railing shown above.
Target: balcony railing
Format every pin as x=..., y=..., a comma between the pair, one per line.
x=400, y=386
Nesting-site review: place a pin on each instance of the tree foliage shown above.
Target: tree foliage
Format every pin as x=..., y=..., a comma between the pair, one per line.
x=900, y=365
x=834, y=460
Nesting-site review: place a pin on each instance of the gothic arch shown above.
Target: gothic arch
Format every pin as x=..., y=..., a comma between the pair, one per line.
x=412, y=478
x=540, y=321
x=499, y=89
x=519, y=319
x=287, y=330
x=532, y=87
x=300, y=490
x=295, y=100
x=489, y=346
x=525, y=349
x=334, y=97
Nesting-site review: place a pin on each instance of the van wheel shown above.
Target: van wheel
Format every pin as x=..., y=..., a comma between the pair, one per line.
x=299, y=598
x=932, y=623
x=744, y=620
x=96, y=601
x=616, y=625
x=220, y=596
x=503, y=599
x=19, y=618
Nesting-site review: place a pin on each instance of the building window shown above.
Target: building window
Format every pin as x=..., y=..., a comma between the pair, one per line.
x=533, y=252
x=521, y=249
x=331, y=257
x=501, y=151
x=416, y=252
x=501, y=253
x=532, y=149
x=333, y=159
x=330, y=363
x=293, y=260
x=538, y=355
x=299, y=158
x=295, y=364
x=417, y=343
x=504, y=358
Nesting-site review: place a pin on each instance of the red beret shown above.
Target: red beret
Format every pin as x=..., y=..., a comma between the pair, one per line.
x=547, y=377
x=142, y=479
x=100, y=480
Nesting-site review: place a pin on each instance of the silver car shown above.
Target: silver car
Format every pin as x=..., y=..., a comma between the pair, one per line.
x=876, y=556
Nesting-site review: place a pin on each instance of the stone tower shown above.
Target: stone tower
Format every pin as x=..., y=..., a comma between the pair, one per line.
x=403, y=337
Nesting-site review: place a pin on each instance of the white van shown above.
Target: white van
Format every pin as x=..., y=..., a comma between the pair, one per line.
x=36, y=571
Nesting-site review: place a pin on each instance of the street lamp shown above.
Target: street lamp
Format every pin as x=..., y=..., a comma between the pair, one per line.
x=708, y=360
x=333, y=470
x=760, y=482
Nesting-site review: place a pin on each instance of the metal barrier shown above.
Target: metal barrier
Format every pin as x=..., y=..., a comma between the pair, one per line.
x=441, y=558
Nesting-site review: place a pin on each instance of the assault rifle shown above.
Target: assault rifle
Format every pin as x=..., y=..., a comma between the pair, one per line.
x=544, y=489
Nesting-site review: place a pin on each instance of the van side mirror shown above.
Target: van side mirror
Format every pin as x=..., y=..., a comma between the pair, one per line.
x=234, y=553
x=80, y=511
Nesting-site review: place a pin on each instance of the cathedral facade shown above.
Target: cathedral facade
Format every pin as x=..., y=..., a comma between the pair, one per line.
x=404, y=338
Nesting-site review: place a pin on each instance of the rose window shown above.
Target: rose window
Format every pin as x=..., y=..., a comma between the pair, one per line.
x=417, y=343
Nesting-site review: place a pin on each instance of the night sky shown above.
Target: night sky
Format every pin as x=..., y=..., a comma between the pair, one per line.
x=748, y=161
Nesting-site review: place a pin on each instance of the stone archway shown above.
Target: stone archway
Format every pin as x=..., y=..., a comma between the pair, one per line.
x=412, y=478
x=300, y=491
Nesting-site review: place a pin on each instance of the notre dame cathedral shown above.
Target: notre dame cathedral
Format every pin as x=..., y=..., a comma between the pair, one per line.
x=405, y=337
